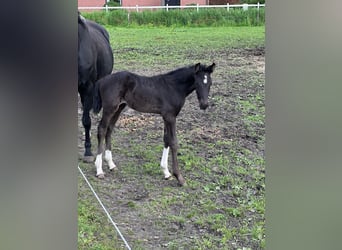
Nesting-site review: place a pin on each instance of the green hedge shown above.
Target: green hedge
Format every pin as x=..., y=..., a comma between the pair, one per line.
x=185, y=17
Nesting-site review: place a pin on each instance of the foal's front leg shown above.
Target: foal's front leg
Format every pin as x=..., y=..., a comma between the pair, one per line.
x=170, y=139
x=164, y=159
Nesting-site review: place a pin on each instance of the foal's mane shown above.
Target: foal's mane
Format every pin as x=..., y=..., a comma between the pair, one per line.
x=181, y=74
x=185, y=69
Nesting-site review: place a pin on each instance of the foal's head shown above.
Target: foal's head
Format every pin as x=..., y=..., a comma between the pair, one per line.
x=203, y=83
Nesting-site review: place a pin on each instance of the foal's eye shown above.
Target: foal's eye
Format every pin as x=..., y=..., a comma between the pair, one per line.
x=205, y=80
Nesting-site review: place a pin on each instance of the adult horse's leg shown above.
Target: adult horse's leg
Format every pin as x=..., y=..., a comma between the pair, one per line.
x=170, y=124
x=86, y=121
x=101, y=132
x=108, y=153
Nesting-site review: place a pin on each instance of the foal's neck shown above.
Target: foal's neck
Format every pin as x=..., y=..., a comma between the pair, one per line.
x=186, y=84
x=190, y=88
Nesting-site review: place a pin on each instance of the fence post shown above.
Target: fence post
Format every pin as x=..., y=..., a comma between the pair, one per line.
x=167, y=7
x=245, y=6
x=106, y=8
x=258, y=17
x=227, y=6
x=137, y=8
x=197, y=7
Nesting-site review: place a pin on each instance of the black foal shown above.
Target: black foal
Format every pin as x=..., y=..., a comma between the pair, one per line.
x=161, y=94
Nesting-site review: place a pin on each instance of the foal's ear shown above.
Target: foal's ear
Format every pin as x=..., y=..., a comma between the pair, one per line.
x=211, y=68
x=197, y=67
x=80, y=17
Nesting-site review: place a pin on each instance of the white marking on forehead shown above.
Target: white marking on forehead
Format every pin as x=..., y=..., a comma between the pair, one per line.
x=205, y=81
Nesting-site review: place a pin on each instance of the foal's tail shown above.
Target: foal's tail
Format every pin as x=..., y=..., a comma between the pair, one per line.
x=97, y=101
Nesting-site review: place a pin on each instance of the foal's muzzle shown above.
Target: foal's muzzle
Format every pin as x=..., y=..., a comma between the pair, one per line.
x=203, y=106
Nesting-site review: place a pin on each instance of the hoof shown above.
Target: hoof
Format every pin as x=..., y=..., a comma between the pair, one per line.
x=182, y=184
x=113, y=169
x=181, y=181
x=88, y=159
x=168, y=177
x=100, y=176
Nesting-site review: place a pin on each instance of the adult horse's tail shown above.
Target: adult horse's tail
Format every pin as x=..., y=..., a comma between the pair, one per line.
x=97, y=101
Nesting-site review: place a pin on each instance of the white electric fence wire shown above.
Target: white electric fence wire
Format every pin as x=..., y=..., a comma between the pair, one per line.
x=103, y=207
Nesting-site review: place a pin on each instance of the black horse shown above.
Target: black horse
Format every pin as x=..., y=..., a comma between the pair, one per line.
x=162, y=94
x=95, y=60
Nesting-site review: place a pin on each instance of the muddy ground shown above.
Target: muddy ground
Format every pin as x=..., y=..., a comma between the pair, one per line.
x=221, y=157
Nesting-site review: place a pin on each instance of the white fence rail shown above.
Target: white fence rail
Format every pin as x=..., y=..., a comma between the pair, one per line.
x=167, y=7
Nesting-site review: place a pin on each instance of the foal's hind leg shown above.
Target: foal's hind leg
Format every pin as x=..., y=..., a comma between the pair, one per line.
x=101, y=132
x=108, y=153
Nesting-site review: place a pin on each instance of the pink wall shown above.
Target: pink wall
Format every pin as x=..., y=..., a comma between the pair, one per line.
x=125, y=3
x=159, y=2
x=129, y=3
x=91, y=3
x=200, y=2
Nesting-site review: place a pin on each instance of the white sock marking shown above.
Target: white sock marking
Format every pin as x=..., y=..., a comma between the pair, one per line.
x=109, y=159
x=98, y=164
x=163, y=163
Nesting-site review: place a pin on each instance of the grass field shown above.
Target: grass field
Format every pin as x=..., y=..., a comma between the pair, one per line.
x=221, y=152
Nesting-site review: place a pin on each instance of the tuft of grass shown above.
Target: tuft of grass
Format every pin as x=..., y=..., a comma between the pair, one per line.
x=93, y=232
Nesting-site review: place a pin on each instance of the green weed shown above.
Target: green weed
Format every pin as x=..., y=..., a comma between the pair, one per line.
x=94, y=230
